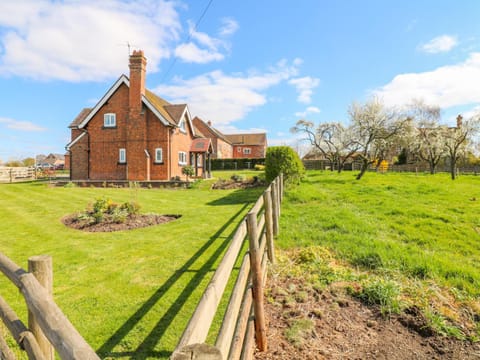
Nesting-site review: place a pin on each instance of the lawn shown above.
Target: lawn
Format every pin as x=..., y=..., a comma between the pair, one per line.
x=129, y=293
x=422, y=226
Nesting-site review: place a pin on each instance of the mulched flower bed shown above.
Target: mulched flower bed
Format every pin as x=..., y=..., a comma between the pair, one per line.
x=132, y=222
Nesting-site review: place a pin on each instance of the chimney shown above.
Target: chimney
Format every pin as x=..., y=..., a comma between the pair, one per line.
x=138, y=65
x=209, y=123
x=459, y=121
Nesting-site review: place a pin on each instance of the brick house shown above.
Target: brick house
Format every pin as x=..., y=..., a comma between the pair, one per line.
x=252, y=146
x=232, y=146
x=132, y=134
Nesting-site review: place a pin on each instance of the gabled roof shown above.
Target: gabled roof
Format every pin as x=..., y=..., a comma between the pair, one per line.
x=155, y=103
x=80, y=117
x=214, y=131
x=247, y=139
x=201, y=145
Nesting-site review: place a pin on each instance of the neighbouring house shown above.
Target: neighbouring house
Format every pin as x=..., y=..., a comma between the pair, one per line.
x=56, y=161
x=251, y=146
x=233, y=146
x=132, y=134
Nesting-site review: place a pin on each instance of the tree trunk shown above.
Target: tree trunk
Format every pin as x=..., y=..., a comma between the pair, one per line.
x=453, y=165
x=432, y=167
x=363, y=169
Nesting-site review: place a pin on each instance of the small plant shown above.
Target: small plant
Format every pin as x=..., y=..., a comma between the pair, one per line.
x=237, y=178
x=298, y=331
x=188, y=171
x=70, y=185
x=105, y=210
x=381, y=292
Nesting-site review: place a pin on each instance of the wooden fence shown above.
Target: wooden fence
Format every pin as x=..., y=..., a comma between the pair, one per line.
x=240, y=331
x=48, y=328
x=13, y=174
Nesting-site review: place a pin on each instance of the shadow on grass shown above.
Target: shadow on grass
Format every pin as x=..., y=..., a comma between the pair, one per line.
x=238, y=197
x=146, y=349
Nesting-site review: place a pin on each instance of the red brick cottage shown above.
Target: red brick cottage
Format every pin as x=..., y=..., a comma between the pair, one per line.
x=232, y=146
x=132, y=134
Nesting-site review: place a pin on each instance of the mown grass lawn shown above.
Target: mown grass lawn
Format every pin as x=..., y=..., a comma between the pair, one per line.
x=129, y=293
x=423, y=226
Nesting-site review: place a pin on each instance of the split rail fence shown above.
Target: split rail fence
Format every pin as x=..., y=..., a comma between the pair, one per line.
x=243, y=324
x=13, y=174
x=48, y=328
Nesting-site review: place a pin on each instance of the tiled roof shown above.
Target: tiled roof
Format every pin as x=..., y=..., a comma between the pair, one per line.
x=214, y=131
x=247, y=139
x=160, y=105
x=201, y=145
x=80, y=117
x=176, y=111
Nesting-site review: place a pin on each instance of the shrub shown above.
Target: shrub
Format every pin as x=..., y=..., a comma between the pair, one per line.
x=188, y=171
x=259, y=167
x=283, y=159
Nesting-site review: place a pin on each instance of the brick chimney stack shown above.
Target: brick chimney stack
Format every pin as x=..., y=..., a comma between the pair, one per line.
x=459, y=121
x=136, y=144
x=138, y=66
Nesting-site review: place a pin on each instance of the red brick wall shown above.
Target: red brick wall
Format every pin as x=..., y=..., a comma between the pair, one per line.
x=158, y=135
x=180, y=142
x=106, y=142
x=256, y=151
x=79, y=160
x=224, y=150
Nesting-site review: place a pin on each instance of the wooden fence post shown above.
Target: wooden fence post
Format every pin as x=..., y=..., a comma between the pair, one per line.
x=41, y=267
x=257, y=279
x=267, y=200
x=274, y=207
x=281, y=187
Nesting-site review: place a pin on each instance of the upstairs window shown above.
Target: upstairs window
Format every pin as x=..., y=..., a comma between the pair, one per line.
x=109, y=120
x=247, y=151
x=182, y=158
x=122, y=156
x=159, y=155
x=182, y=125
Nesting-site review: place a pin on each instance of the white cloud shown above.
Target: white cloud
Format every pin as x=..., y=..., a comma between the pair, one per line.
x=446, y=86
x=202, y=48
x=87, y=40
x=225, y=98
x=20, y=125
x=304, y=87
x=440, y=44
x=192, y=53
x=309, y=110
x=229, y=27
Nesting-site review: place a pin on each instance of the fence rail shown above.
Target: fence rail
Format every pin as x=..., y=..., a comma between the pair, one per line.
x=239, y=331
x=14, y=174
x=48, y=326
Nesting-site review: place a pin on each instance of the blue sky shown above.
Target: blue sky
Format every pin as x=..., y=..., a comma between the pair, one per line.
x=248, y=66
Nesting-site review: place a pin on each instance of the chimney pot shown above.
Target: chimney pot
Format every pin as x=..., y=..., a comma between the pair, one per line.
x=209, y=123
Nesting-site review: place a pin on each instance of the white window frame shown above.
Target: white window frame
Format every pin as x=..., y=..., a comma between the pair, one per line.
x=109, y=120
x=247, y=151
x=182, y=158
x=122, y=156
x=183, y=125
x=159, y=155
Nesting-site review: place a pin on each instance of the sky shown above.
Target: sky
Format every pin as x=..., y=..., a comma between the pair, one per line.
x=246, y=66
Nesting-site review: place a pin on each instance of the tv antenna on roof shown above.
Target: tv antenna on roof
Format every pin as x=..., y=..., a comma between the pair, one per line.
x=129, y=46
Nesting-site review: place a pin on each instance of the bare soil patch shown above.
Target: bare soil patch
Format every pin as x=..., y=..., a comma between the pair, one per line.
x=232, y=184
x=133, y=221
x=304, y=323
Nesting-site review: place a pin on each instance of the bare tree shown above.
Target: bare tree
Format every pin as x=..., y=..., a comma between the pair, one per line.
x=375, y=127
x=457, y=139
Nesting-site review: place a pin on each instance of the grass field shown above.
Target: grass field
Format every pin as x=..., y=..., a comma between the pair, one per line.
x=129, y=293
x=420, y=232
